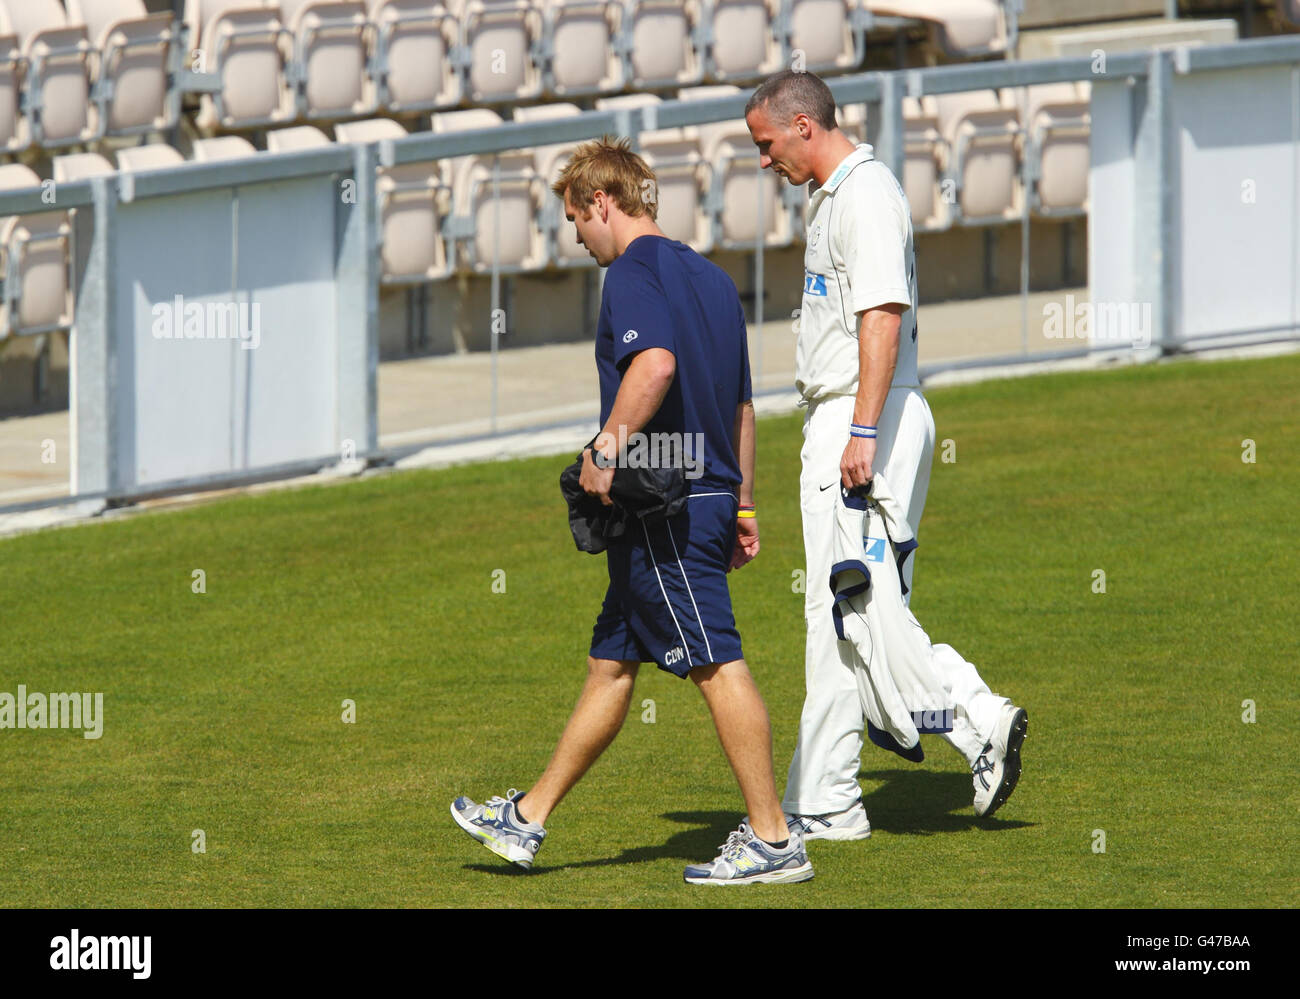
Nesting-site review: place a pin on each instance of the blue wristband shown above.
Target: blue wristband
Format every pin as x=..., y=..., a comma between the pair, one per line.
x=858, y=430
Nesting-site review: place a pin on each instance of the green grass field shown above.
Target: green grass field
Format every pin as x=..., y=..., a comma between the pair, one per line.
x=222, y=711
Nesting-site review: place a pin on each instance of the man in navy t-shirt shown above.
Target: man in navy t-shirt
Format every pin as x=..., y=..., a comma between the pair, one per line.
x=662, y=295
x=673, y=362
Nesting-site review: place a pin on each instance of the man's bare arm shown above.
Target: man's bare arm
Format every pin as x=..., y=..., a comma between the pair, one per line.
x=645, y=383
x=743, y=443
x=877, y=359
x=649, y=375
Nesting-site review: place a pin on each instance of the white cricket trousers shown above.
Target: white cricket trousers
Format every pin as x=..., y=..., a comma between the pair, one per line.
x=824, y=772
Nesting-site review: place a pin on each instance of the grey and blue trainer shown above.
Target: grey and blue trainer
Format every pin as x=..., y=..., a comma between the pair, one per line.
x=497, y=825
x=746, y=859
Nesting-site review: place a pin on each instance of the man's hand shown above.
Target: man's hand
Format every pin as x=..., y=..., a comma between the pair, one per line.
x=746, y=542
x=855, y=465
x=596, y=481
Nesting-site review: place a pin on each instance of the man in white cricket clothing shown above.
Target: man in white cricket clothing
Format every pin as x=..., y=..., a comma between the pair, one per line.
x=856, y=369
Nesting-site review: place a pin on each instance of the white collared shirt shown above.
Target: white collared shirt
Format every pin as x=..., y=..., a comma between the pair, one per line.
x=859, y=256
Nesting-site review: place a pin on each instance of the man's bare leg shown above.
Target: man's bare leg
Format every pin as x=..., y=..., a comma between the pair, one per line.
x=746, y=735
x=595, y=721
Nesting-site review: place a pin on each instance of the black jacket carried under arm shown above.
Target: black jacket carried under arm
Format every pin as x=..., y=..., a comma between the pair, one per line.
x=639, y=494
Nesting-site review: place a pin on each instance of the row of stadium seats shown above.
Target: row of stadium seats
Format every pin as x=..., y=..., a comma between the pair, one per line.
x=332, y=59
x=327, y=60
x=964, y=152
x=70, y=76
x=963, y=164
x=72, y=72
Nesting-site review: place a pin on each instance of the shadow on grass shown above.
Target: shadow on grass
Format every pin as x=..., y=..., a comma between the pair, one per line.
x=697, y=845
x=921, y=802
x=909, y=803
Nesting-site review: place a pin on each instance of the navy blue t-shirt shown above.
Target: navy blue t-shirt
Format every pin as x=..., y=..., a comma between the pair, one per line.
x=661, y=293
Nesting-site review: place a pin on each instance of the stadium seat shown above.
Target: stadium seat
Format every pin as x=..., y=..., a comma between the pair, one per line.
x=35, y=259
x=581, y=46
x=57, y=60
x=416, y=43
x=503, y=40
x=413, y=205
x=291, y=140
x=924, y=153
x=223, y=147
x=13, y=131
x=681, y=175
x=736, y=183
x=150, y=157
x=240, y=41
x=959, y=28
x=80, y=166
x=1057, y=128
x=330, y=71
x=980, y=132
x=136, y=53
x=660, y=42
x=852, y=121
x=825, y=32
x=745, y=45
x=562, y=246
x=522, y=244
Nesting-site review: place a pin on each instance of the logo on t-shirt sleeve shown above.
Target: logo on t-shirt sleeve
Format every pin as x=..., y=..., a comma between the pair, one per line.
x=814, y=284
x=629, y=336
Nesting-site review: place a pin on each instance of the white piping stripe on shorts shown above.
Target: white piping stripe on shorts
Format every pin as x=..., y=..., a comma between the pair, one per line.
x=694, y=495
x=707, y=647
x=650, y=548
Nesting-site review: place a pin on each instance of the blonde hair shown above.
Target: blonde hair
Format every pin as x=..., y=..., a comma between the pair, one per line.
x=608, y=164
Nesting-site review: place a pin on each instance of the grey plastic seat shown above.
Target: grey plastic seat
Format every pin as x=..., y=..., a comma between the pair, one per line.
x=291, y=140
x=521, y=245
x=661, y=41
x=243, y=42
x=960, y=28
x=151, y=157
x=57, y=57
x=413, y=204
x=331, y=62
x=14, y=133
x=929, y=195
x=500, y=38
x=80, y=166
x=827, y=34
x=745, y=44
x=137, y=50
x=582, y=39
x=981, y=132
x=416, y=43
x=736, y=184
x=36, y=260
x=1058, y=127
x=563, y=248
x=223, y=147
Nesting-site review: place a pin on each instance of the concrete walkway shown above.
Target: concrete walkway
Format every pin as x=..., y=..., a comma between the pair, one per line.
x=445, y=398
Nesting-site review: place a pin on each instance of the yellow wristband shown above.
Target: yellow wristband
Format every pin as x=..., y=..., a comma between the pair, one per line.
x=746, y=513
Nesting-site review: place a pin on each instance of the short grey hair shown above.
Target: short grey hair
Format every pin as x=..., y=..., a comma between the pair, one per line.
x=789, y=93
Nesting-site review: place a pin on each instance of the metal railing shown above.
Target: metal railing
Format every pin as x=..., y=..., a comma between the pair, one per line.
x=1147, y=75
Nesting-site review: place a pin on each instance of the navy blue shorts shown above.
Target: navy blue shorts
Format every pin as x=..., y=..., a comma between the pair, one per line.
x=667, y=600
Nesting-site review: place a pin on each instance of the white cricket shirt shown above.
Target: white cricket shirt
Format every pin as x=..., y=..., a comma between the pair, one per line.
x=859, y=256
